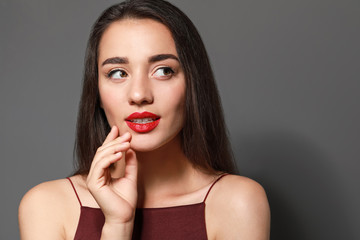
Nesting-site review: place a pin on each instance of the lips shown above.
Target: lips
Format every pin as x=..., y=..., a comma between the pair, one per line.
x=142, y=122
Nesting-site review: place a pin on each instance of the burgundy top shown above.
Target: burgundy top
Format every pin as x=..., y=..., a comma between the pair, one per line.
x=176, y=223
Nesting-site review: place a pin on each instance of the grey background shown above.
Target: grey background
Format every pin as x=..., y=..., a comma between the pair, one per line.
x=288, y=73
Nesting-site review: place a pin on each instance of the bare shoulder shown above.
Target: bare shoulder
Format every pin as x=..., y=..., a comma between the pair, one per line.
x=239, y=209
x=240, y=193
x=241, y=190
x=45, y=188
x=42, y=210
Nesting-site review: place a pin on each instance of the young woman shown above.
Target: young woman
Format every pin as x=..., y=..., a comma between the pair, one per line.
x=151, y=142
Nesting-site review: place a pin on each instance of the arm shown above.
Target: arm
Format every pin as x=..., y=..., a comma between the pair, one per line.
x=40, y=214
x=242, y=210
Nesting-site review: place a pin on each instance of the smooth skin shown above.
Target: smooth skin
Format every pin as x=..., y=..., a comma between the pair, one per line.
x=117, y=197
x=150, y=170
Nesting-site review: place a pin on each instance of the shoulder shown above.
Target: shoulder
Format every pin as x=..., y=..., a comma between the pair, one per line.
x=239, y=207
x=45, y=195
x=241, y=190
x=42, y=210
x=242, y=193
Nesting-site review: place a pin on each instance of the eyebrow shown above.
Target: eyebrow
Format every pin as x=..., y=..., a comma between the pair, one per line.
x=152, y=59
x=116, y=60
x=161, y=57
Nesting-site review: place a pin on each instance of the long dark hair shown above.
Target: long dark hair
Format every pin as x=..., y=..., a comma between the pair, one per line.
x=204, y=136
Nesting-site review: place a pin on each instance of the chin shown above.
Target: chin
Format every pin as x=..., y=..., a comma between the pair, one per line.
x=148, y=143
x=143, y=143
x=144, y=147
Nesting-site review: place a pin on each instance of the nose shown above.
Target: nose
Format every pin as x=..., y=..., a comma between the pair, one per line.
x=140, y=91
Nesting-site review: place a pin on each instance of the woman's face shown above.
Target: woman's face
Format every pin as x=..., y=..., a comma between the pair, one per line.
x=141, y=82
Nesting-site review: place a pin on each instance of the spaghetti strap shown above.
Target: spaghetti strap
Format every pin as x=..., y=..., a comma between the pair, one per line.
x=222, y=175
x=74, y=190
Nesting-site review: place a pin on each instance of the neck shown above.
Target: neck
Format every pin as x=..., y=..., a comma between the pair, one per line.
x=163, y=173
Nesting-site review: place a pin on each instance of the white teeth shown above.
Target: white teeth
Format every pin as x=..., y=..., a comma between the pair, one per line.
x=142, y=120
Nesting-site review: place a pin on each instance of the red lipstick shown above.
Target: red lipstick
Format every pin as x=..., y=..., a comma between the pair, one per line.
x=142, y=122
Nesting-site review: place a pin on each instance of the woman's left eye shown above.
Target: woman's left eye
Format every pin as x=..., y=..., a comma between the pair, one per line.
x=166, y=72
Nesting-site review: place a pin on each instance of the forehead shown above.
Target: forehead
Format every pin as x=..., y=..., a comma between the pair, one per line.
x=134, y=38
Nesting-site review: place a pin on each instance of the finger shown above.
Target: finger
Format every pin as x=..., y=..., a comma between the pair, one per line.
x=99, y=169
x=114, y=132
x=112, y=149
x=131, y=167
x=120, y=147
x=123, y=138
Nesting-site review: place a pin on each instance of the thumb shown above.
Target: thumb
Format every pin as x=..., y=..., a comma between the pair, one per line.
x=131, y=165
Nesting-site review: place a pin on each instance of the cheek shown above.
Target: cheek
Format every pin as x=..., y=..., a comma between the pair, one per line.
x=180, y=106
x=175, y=101
x=110, y=103
x=181, y=99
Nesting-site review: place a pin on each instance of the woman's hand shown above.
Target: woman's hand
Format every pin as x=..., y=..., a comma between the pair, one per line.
x=116, y=197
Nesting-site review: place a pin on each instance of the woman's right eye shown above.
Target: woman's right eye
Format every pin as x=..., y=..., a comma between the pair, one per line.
x=117, y=74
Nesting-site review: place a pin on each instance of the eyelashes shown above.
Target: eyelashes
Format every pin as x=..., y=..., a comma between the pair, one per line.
x=117, y=74
x=160, y=73
x=164, y=72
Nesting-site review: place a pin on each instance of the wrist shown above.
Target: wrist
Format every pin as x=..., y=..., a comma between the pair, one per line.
x=117, y=231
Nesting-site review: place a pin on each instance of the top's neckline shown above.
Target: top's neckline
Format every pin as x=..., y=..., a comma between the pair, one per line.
x=156, y=208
